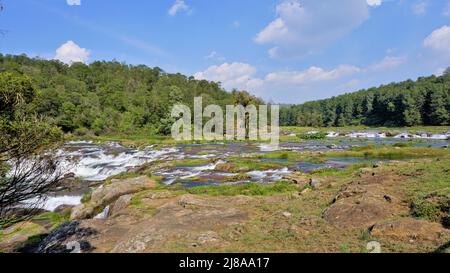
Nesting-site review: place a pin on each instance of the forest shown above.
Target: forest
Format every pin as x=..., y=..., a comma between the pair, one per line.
x=409, y=103
x=104, y=98
x=110, y=97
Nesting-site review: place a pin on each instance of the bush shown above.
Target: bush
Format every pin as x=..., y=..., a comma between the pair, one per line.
x=315, y=136
x=424, y=209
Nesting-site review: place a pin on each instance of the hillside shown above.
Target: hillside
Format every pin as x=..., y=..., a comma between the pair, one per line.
x=110, y=97
x=409, y=103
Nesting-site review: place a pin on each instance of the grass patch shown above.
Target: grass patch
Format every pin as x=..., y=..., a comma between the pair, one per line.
x=250, y=189
x=54, y=218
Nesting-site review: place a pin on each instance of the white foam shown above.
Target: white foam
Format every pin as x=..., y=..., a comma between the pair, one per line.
x=52, y=202
x=268, y=148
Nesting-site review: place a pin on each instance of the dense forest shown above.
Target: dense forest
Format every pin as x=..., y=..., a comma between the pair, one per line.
x=111, y=97
x=409, y=103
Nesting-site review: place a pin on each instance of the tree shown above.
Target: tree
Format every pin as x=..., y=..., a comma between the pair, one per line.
x=26, y=172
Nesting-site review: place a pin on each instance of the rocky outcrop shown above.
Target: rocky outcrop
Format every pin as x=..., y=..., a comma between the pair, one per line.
x=410, y=229
x=364, y=203
x=109, y=193
x=297, y=178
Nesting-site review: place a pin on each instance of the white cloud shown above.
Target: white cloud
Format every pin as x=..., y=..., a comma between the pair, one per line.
x=439, y=41
x=420, y=8
x=301, y=84
x=214, y=56
x=231, y=75
x=374, y=3
x=74, y=2
x=70, y=53
x=312, y=74
x=302, y=27
x=387, y=63
x=179, y=6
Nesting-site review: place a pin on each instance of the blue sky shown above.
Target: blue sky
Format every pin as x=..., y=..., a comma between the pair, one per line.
x=286, y=51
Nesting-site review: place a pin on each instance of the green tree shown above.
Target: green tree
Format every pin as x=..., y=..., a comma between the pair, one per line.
x=24, y=172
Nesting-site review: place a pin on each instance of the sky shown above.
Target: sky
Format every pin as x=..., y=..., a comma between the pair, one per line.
x=284, y=51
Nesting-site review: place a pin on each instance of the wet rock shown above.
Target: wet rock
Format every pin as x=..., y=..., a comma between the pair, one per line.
x=332, y=146
x=106, y=195
x=69, y=233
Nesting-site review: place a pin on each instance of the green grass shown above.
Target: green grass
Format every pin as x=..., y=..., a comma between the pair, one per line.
x=54, y=218
x=250, y=189
x=391, y=153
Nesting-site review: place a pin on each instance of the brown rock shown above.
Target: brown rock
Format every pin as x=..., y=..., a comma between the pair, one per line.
x=106, y=195
x=407, y=229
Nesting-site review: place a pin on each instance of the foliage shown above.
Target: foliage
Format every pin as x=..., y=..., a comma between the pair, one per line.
x=111, y=97
x=25, y=171
x=409, y=103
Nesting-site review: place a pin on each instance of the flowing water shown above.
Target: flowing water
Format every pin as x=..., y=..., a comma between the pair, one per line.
x=90, y=162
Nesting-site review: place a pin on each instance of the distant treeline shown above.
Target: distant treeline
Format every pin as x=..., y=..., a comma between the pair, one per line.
x=409, y=103
x=111, y=97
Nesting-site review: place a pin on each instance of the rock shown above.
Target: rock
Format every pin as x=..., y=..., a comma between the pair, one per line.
x=305, y=191
x=63, y=208
x=120, y=204
x=208, y=237
x=406, y=229
x=286, y=214
x=315, y=183
x=226, y=167
x=332, y=146
x=17, y=235
x=107, y=194
x=310, y=221
x=69, y=233
x=357, y=213
x=367, y=171
x=297, y=178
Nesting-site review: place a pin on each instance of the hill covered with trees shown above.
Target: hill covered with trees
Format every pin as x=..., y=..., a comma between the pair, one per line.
x=111, y=97
x=409, y=103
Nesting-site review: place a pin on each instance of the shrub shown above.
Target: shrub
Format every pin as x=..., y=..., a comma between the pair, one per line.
x=424, y=209
x=315, y=136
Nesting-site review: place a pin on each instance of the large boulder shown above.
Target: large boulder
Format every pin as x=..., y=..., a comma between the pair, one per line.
x=109, y=193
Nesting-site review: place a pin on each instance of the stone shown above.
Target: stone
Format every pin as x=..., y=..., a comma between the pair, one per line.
x=408, y=228
x=286, y=214
x=306, y=191
x=208, y=237
x=121, y=204
x=101, y=197
x=297, y=178
x=226, y=167
x=59, y=239
x=315, y=183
